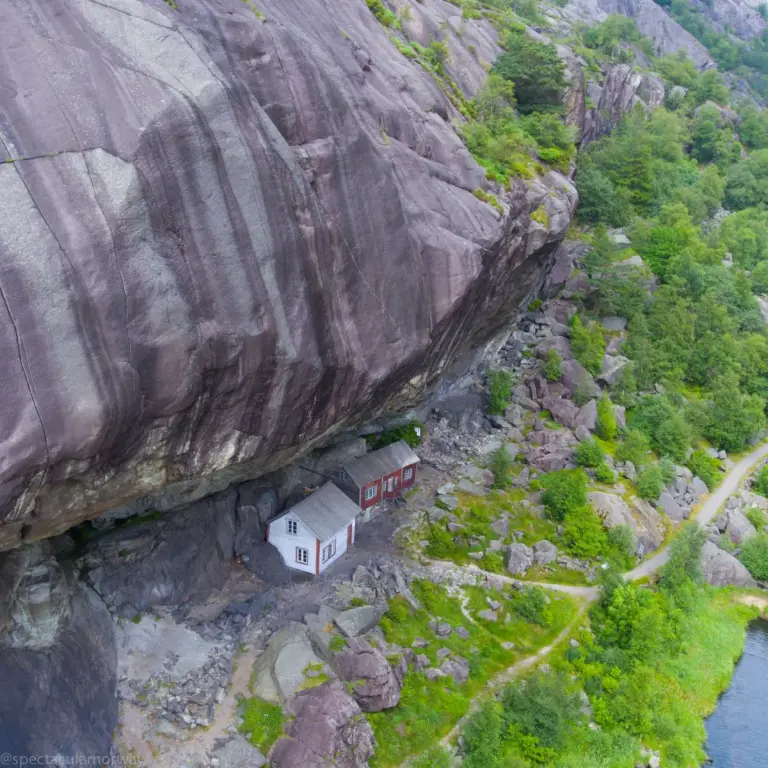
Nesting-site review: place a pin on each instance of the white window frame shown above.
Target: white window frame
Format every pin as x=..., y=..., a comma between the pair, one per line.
x=292, y=527
x=371, y=493
x=329, y=551
x=408, y=473
x=302, y=555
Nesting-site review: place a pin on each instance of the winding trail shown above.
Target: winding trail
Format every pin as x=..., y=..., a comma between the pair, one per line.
x=587, y=595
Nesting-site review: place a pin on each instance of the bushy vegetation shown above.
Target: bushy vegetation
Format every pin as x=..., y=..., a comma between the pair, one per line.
x=262, y=722
x=588, y=344
x=501, y=465
x=652, y=664
x=760, y=482
x=553, y=366
x=409, y=433
x=499, y=391
x=754, y=556
x=563, y=492
x=589, y=454
x=606, y=427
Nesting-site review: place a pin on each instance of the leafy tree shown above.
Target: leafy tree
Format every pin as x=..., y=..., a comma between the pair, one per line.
x=545, y=707
x=760, y=483
x=500, y=465
x=753, y=130
x=536, y=70
x=754, y=556
x=600, y=200
x=563, y=492
x=589, y=454
x=711, y=86
x=705, y=467
x=735, y=418
x=711, y=141
x=682, y=573
x=665, y=427
x=499, y=390
x=550, y=133
x=553, y=367
x=621, y=546
x=606, y=420
x=482, y=738
x=760, y=278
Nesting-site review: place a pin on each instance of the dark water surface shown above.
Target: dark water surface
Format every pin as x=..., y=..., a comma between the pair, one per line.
x=737, y=731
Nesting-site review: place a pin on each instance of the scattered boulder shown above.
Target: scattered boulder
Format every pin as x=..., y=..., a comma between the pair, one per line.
x=457, y=668
x=737, y=526
x=575, y=377
x=563, y=411
x=487, y=615
x=614, y=323
x=582, y=433
x=587, y=416
x=519, y=558
x=722, y=569
x=449, y=501
x=544, y=552
x=699, y=487
x=237, y=752
x=466, y=486
x=279, y=672
x=328, y=729
x=559, y=343
x=641, y=518
x=613, y=367
x=376, y=684
x=357, y=621
x=620, y=415
x=477, y=475
x=671, y=508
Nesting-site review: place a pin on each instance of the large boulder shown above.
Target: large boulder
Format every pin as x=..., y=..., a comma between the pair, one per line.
x=208, y=241
x=736, y=526
x=576, y=378
x=374, y=682
x=519, y=559
x=587, y=416
x=328, y=729
x=357, y=621
x=721, y=569
x=236, y=752
x=544, y=552
x=641, y=518
x=560, y=344
x=280, y=670
x=613, y=369
x=563, y=411
x=58, y=662
x=672, y=509
x=175, y=560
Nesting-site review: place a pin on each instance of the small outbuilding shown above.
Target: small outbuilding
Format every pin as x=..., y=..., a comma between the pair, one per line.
x=381, y=474
x=315, y=532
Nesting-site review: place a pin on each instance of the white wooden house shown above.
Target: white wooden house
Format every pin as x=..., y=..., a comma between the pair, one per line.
x=315, y=532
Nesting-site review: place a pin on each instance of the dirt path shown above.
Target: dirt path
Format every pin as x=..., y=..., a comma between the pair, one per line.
x=708, y=511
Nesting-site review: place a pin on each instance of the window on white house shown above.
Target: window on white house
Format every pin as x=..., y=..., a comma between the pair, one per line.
x=371, y=493
x=408, y=474
x=302, y=555
x=329, y=551
x=293, y=528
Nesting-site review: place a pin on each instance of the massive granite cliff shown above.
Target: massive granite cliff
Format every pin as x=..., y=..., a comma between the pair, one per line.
x=228, y=230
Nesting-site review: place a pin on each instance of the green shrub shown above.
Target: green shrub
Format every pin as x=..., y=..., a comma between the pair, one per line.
x=409, y=433
x=583, y=533
x=754, y=556
x=436, y=757
x=500, y=465
x=606, y=428
x=604, y=474
x=621, y=547
x=532, y=604
x=667, y=430
x=705, y=467
x=634, y=448
x=535, y=305
x=757, y=517
x=589, y=454
x=760, y=483
x=262, y=723
x=383, y=14
x=499, y=390
x=563, y=492
x=650, y=482
x=338, y=643
x=553, y=367
x=588, y=344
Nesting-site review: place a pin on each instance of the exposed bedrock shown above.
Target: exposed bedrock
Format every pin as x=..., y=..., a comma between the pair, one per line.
x=58, y=660
x=224, y=239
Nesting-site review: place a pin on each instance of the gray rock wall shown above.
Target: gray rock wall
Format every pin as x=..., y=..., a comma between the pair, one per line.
x=222, y=239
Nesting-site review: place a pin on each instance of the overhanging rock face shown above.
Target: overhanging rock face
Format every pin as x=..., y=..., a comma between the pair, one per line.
x=223, y=238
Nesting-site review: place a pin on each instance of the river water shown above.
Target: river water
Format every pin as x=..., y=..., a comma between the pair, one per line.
x=737, y=731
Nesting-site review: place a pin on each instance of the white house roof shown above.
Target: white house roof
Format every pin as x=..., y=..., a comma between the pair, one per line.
x=385, y=461
x=326, y=512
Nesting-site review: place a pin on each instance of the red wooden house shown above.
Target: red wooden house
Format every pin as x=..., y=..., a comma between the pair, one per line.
x=382, y=474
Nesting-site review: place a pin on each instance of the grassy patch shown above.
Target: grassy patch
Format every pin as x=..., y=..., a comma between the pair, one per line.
x=429, y=709
x=262, y=723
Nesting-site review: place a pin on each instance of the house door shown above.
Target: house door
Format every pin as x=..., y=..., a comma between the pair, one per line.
x=391, y=484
